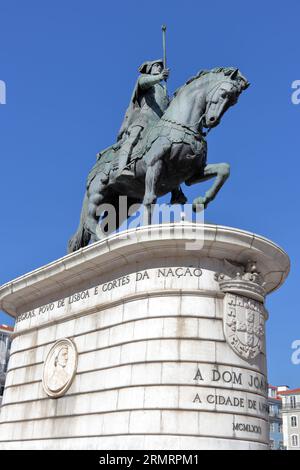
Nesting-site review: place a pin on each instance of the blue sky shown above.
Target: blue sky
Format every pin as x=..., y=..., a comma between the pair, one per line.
x=69, y=68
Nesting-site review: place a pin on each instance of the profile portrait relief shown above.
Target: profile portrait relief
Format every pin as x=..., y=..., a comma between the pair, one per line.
x=60, y=368
x=60, y=377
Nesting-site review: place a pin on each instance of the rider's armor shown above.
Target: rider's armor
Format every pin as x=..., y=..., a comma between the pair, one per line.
x=148, y=103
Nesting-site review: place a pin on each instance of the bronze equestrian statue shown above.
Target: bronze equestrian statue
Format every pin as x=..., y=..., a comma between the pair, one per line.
x=161, y=144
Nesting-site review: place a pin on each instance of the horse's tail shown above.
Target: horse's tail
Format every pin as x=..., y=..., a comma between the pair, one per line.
x=82, y=237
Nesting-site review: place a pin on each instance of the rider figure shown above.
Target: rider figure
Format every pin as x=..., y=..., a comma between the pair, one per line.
x=148, y=103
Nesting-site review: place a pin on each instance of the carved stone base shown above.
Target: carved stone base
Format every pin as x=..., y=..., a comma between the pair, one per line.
x=143, y=343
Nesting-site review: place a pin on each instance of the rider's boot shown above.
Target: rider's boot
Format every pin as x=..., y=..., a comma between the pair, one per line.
x=122, y=170
x=126, y=151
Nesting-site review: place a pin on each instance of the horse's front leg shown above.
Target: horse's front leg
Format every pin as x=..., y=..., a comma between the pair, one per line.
x=154, y=162
x=150, y=196
x=221, y=172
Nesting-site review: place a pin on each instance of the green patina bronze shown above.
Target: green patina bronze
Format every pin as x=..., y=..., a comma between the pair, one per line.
x=161, y=144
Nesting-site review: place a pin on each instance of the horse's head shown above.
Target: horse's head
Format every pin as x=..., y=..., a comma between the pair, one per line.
x=224, y=91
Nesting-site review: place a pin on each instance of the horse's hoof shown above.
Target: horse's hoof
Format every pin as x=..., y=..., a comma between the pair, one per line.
x=149, y=202
x=179, y=200
x=199, y=204
x=198, y=207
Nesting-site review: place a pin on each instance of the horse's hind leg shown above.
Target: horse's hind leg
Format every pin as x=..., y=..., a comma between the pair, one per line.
x=122, y=208
x=82, y=237
x=95, y=198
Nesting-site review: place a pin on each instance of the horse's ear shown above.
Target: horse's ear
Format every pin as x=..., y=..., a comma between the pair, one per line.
x=234, y=74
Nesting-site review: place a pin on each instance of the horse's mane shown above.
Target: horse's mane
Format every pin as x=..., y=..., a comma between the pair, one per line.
x=226, y=70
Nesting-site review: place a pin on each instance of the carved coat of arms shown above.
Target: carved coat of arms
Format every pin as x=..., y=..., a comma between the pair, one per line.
x=244, y=325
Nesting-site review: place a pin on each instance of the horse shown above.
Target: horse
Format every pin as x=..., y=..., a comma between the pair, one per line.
x=173, y=151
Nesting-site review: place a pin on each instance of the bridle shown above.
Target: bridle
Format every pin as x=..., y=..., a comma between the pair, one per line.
x=197, y=124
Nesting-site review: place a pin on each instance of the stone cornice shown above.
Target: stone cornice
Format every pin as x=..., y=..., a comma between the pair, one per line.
x=136, y=245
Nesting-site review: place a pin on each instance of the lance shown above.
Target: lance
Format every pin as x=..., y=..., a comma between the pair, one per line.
x=164, y=29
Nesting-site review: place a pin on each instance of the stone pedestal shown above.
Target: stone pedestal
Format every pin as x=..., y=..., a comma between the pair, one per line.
x=143, y=343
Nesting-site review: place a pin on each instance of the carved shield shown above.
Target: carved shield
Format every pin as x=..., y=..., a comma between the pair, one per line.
x=244, y=325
